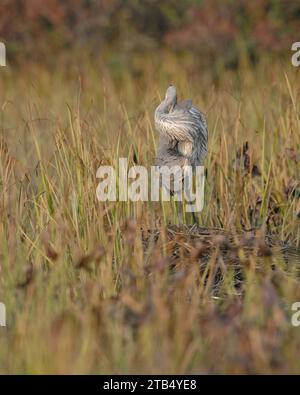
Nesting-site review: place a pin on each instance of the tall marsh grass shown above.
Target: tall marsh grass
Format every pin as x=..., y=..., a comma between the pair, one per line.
x=94, y=287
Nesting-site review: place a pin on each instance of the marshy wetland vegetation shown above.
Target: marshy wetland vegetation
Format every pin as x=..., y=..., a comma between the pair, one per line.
x=117, y=286
x=123, y=287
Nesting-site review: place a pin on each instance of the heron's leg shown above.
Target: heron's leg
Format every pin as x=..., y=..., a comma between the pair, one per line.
x=188, y=188
x=195, y=219
x=180, y=213
x=181, y=216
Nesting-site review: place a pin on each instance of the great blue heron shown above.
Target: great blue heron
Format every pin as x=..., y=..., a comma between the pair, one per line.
x=183, y=133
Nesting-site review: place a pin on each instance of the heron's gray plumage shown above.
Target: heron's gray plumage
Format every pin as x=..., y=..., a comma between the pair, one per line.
x=183, y=132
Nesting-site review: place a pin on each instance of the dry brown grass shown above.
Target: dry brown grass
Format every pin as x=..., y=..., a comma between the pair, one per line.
x=96, y=287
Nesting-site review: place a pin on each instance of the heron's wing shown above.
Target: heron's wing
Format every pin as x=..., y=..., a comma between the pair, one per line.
x=200, y=134
x=183, y=124
x=201, y=121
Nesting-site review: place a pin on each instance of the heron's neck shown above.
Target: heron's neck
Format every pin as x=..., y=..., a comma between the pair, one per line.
x=166, y=105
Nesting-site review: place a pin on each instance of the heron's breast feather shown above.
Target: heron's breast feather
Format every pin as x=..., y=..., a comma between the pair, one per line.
x=185, y=148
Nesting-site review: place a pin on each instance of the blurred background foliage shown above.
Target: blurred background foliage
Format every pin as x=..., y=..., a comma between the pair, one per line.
x=41, y=31
x=109, y=287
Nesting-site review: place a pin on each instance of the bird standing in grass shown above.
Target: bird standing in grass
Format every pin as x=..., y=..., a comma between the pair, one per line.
x=183, y=133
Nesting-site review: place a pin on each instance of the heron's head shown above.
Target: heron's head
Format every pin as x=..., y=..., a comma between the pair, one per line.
x=171, y=93
x=171, y=97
